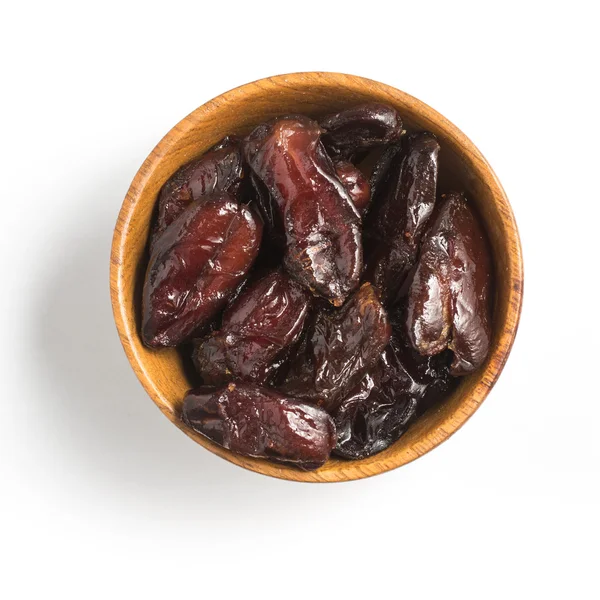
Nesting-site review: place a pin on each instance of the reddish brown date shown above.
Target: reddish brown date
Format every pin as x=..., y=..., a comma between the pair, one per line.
x=255, y=270
x=260, y=422
x=361, y=127
x=356, y=184
x=339, y=347
x=218, y=170
x=322, y=226
x=257, y=332
x=196, y=266
x=401, y=211
x=449, y=302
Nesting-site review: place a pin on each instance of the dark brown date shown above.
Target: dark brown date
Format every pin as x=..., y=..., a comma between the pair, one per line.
x=378, y=410
x=322, y=226
x=410, y=193
x=399, y=387
x=382, y=171
x=361, y=127
x=449, y=302
x=257, y=332
x=197, y=263
x=269, y=212
x=338, y=349
x=260, y=422
x=356, y=184
x=400, y=214
x=218, y=170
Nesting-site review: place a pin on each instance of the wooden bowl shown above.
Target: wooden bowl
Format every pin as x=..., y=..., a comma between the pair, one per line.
x=462, y=167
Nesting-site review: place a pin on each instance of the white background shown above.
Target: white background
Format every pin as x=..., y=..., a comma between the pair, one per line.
x=100, y=497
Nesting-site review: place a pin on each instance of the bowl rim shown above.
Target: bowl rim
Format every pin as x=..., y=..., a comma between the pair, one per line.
x=354, y=470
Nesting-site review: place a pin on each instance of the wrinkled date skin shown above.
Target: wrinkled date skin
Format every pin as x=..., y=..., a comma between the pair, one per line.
x=218, y=170
x=399, y=387
x=356, y=184
x=338, y=349
x=360, y=128
x=322, y=226
x=378, y=410
x=255, y=272
x=196, y=266
x=260, y=422
x=449, y=301
x=403, y=206
x=258, y=330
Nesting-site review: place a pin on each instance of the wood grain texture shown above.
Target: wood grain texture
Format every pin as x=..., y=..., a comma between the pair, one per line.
x=461, y=167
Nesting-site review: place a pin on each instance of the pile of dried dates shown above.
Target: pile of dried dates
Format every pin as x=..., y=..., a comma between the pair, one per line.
x=326, y=304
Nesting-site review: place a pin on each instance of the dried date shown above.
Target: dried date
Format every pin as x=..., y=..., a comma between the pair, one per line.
x=260, y=422
x=382, y=171
x=322, y=226
x=338, y=349
x=218, y=170
x=449, y=301
x=399, y=387
x=404, y=203
x=258, y=330
x=378, y=410
x=361, y=127
x=348, y=378
x=197, y=263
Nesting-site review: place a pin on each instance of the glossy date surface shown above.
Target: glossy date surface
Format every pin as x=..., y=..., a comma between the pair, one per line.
x=379, y=409
x=257, y=332
x=404, y=202
x=449, y=302
x=338, y=349
x=255, y=271
x=220, y=169
x=196, y=265
x=382, y=171
x=356, y=184
x=322, y=226
x=361, y=127
x=260, y=422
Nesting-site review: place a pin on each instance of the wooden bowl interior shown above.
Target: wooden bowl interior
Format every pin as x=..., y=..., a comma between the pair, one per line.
x=461, y=167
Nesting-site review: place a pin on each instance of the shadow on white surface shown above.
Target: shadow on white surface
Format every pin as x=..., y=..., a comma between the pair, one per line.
x=112, y=442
